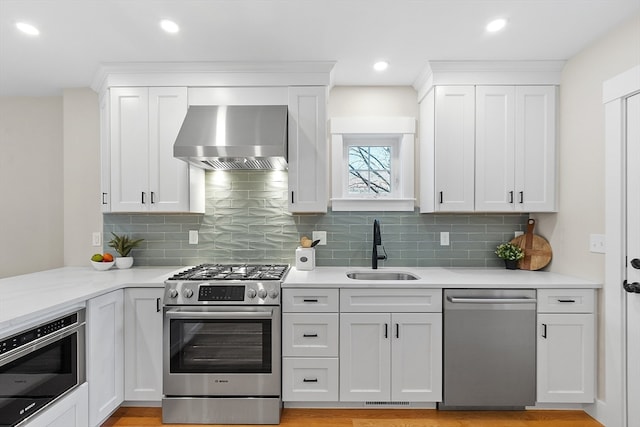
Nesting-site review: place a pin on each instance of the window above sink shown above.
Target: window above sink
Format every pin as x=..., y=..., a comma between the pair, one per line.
x=372, y=161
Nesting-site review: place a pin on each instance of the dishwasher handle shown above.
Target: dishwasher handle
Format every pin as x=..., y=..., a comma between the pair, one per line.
x=471, y=300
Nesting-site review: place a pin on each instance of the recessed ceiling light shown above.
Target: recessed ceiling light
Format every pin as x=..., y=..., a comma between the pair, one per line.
x=27, y=28
x=380, y=65
x=169, y=26
x=496, y=25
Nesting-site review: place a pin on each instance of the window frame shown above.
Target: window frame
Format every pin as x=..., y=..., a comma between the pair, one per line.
x=399, y=133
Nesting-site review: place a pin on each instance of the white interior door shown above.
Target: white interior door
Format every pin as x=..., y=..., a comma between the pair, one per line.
x=633, y=253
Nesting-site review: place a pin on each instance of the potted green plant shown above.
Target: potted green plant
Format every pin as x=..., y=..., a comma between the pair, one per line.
x=123, y=245
x=511, y=254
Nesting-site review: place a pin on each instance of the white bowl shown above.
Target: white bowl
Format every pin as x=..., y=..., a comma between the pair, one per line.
x=102, y=266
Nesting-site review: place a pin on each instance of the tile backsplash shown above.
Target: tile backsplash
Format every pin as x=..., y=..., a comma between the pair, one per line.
x=246, y=220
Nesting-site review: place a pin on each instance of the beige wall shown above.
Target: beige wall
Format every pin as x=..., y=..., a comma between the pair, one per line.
x=581, y=151
x=31, y=184
x=373, y=101
x=82, y=214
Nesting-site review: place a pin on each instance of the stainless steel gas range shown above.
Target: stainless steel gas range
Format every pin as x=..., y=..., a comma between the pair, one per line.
x=221, y=345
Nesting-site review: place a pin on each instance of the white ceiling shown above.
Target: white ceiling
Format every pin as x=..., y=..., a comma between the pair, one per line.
x=79, y=35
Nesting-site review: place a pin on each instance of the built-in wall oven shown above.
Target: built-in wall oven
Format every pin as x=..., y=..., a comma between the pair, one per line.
x=39, y=365
x=222, y=345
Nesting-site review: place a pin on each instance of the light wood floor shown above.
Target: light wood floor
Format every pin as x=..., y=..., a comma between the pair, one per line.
x=146, y=417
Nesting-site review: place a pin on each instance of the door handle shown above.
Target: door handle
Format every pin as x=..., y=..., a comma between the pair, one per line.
x=633, y=288
x=635, y=263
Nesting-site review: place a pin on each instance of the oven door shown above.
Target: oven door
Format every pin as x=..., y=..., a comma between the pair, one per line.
x=221, y=351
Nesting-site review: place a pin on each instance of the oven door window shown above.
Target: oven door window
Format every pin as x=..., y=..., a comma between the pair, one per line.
x=220, y=346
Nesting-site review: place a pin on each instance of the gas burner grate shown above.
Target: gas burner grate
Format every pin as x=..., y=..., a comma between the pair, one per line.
x=205, y=272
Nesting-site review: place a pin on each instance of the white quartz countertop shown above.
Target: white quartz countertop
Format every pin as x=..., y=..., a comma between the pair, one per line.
x=436, y=277
x=35, y=294
x=30, y=296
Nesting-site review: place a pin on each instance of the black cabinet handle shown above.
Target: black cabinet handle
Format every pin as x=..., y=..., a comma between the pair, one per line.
x=386, y=330
x=157, y=305
x=142, y=198
x=522, y=197
x=544, y=330
x=397, y=330
x=567, y=300
x=152, y=198
x=310, y=300
x=104, y=198
x=510, y=196
x=633, y=288
x=310, y=380
x=292, y=197
x=310, y=335
x=441, y=197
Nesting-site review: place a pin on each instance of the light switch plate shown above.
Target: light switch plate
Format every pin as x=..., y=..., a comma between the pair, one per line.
x=597, y=243
x=320, y=235
x=444, y=238
x=96, y=238
x=193, y=237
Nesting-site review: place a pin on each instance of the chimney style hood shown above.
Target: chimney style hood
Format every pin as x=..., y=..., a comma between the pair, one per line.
x=234, y=137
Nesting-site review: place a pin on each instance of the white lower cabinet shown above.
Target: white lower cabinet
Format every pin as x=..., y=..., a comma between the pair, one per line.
x=390, y=356
x=566, y=346
x=143, y=344
x=70, y=411
x=105, y=355
x=310, y=345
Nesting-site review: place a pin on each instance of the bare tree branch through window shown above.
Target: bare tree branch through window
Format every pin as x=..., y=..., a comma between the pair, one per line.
x=369, y=170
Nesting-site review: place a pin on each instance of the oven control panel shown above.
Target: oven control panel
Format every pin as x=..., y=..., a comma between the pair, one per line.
x=250, y=293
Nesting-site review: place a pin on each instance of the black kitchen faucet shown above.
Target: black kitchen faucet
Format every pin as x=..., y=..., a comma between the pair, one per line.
x=378, y=249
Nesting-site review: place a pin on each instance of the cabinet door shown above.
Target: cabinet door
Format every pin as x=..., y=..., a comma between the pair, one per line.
x=365, y=357
x=70, y=411
x=308, y=169
x=129, y=138
x=416, y=357
x=105, y=362
x=565, y=359
x=454, y=148
x=105, y=155
x=168, y=176
x=143, y=344
x=495, y=146
x=535, y=148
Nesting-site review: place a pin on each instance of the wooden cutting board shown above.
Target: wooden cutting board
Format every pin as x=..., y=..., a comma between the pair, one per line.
x=537, y=251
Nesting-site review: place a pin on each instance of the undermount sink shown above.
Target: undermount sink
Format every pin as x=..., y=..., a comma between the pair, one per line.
x=381, y=275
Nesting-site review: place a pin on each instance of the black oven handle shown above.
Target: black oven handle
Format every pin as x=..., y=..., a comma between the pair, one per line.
x=197, y=315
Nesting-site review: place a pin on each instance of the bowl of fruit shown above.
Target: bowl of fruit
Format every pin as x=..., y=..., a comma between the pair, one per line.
x=102, y=262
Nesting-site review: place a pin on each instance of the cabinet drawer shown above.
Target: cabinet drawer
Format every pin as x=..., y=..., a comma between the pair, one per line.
x=391, y=300
x=310, y=334
x=310, y=300
x=566, y=300
x=309, y=379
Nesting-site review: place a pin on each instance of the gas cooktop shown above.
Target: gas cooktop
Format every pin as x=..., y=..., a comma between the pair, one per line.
x=206, y=272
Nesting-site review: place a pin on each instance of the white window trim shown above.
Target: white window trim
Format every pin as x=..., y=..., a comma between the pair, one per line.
x=401, y=129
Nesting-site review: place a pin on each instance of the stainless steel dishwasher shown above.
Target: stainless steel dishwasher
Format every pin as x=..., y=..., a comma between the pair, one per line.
x=489, y=349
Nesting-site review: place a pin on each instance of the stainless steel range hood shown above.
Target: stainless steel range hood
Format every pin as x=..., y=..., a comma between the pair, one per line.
x=234, y=137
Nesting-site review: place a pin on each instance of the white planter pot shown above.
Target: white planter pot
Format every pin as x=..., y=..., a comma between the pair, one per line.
x=124, y=262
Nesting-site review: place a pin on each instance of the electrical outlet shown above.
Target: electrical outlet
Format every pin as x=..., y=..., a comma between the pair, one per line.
x=518, y=233
x=320, y=235
x=444, y=238
x=193, y=237
x=96, y=238
x=597, y=243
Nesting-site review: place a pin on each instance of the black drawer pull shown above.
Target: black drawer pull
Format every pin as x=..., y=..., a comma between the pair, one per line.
x=310, y=380
x=309, y=300
x=544, y=330
x=310, y=335
x=567, y=300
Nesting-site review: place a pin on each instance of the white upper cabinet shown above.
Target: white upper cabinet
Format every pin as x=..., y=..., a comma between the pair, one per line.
x=447, y=149
x=308, y=168
x=515, y=148
x=144, y=175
